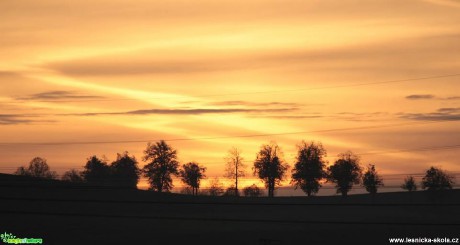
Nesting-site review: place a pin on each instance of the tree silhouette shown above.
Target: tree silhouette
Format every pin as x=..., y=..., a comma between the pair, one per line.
x=72, y=176
x=215, y=188
x=96, y=171
x=21, y=171
x=187, y=190
x=371, y=180
x=252, y=191
x=231, y=191
x=345, y=172
x=409, y=184
x=309, y=167
x=235, y=166
x=436, y=179
x=124, y=171
x=191, y=174
x=270, y=167
x=162, y=164
x=37, y=168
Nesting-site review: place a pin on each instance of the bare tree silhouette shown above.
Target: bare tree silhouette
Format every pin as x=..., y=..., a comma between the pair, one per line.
x=371, y=180
x=345, y=172
x=38, y=167
x=270, y=167
x=216, y=188
x=409, y=184
x=309, y=167
x=235, y=166
x=191, y=174
x=162, y=164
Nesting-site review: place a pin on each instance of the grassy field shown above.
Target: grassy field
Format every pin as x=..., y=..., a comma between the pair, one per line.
x=67, y=214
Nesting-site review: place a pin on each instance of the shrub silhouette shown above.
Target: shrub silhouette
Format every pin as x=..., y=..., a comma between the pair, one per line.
x=231, y=191
x=371, y=180
x=215, y=188
x=37, y=168
x=73, y=176
x=187, y=190
x=252, y=191
x=436, y=179
x=409, y=184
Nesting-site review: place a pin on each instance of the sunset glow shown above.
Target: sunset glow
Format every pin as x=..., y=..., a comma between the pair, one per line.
x=380, y=78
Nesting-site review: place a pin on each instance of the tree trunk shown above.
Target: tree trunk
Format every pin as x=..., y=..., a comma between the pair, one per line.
x=160, y=188
x=271, y=187
x=236, y=183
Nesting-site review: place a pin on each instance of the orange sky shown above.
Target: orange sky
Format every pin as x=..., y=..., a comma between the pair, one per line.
x=105, y=71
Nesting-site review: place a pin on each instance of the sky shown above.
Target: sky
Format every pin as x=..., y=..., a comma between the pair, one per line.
x=83, y=78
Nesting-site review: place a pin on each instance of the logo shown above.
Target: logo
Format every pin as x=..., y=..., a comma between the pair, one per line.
x=9, y=238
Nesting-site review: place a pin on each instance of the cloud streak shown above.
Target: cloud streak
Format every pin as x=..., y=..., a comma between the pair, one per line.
x=374, y=55
x=58, y=95
x=450, y=114
x=449, y=3
x=430, y=97
x=7, y=119
x=420, y=96
x=14, y=119
x=343, y=116
x=452, y=98
x=248, y=103
x=183, y=112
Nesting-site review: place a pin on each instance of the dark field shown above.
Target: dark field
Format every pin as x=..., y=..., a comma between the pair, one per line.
x=66, y=214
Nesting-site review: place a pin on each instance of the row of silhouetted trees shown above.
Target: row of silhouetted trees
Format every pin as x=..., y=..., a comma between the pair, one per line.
x=308, y=173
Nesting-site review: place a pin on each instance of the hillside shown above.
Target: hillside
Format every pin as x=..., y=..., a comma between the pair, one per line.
x=63, y=213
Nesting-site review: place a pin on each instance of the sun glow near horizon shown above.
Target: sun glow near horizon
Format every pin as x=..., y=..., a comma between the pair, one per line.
x=227, y=74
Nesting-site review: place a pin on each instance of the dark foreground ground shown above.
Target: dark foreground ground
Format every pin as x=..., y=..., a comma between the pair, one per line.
x=66, y=214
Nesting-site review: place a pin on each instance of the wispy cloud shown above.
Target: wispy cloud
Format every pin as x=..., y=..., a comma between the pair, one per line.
x=184, y=112
x=359, y=116
x=137, y=66
x=294, y=116
x=440, y=114
x=452, y=98
x=58, y=95
x=381, y=53
x=4, y=73
x=449, y=110
x=248, y=103
x=449, y=3
x=6, y=119
x=14, y=119
x=420, y=96
x=345, y=116
x=430, y=96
